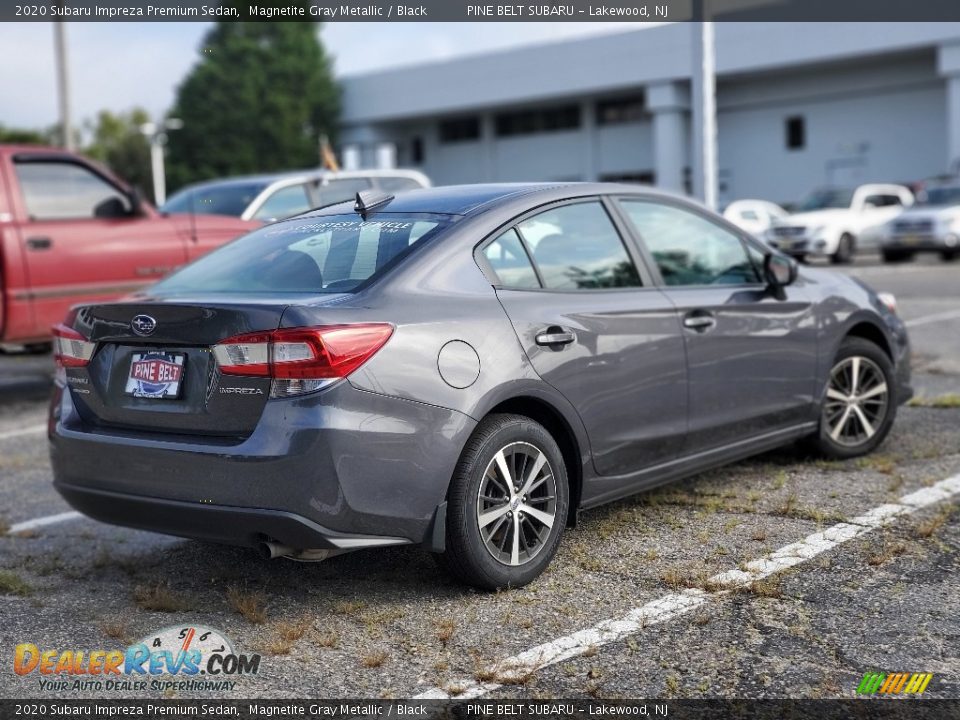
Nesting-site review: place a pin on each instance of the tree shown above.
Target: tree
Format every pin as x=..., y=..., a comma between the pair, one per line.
x=117, y=142
x=22, y=136
x=258, y=100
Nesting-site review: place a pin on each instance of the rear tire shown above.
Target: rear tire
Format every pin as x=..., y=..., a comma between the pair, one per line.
x=496, y=536
x=845, y=249
x=859, y=403
x=896, y=256
x=949, y=255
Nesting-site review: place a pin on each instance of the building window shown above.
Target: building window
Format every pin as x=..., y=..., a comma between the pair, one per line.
x=416, y=151
x=460, y=130
x=796, y=133
x=621, y=110
x=528, y=122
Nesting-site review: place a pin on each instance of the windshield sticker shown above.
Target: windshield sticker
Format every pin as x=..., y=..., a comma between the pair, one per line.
x=384, y=226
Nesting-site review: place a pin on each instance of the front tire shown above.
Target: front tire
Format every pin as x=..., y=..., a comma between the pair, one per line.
x=845, y=249
x=949, y=255
x=507, y=504
x=859, y=403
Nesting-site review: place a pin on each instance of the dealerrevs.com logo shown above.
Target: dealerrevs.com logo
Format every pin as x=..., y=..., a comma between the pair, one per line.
x=176, y=658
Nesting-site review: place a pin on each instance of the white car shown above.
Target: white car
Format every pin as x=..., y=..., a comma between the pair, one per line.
x=281, y=195
x=932, y=224
x=754, y=216
x=836, y=223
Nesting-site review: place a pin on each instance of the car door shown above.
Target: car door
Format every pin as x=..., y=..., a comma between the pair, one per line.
x=751, y=357
x=878, y=209
x=595, y=331
x=82, y=239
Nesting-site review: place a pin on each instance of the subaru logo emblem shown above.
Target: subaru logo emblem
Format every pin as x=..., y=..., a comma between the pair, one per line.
x=143, y=325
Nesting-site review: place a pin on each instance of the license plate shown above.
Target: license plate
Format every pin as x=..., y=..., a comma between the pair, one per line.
x=911, y=240
x=156, y=375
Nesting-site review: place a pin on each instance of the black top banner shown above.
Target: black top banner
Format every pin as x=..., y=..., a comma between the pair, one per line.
x=481, y=10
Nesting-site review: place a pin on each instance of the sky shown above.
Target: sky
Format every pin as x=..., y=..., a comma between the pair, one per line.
x=117, y=66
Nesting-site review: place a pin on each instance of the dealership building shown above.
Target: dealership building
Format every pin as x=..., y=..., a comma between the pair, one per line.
x=799, y=105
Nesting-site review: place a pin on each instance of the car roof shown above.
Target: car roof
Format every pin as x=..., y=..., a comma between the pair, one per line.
x=470, y=199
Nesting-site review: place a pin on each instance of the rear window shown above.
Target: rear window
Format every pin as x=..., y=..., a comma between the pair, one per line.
x=331, y=254
x=231, y=199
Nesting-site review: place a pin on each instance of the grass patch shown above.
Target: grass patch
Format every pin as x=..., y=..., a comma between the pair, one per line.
x=4, y=527
x=927, y=528
x=250, y=605
x=117, y=629
x=445, y=630
x=766, y=588
x=328, y=639
x=941, y=402
x=886, y=552
x=13, y=584
x=375, y=659
x=157, y=598
x=285, y=637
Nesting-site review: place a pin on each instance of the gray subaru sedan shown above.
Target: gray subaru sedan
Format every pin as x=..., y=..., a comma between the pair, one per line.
x=460, y=368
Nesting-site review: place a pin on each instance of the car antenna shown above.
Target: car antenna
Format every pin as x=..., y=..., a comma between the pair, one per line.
x=369, y=201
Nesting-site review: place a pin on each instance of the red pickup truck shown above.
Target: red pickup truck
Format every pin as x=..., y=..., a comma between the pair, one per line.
x=72, y=232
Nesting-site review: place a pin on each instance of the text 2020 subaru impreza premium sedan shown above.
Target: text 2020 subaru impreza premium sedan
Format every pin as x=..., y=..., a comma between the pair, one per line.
x=461, y=368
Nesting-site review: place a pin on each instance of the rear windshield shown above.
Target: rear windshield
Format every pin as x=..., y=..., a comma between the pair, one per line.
x=331, y=254
x=231, y=199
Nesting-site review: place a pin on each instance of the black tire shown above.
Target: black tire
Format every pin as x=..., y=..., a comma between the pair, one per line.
x=467, y=556
x=896, y=256
x=871, y=358
x=845, y=250
x=949, y=255
x=800, y=258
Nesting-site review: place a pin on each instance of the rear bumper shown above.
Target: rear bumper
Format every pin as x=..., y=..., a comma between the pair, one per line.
x=216, y=523
x=344, y=464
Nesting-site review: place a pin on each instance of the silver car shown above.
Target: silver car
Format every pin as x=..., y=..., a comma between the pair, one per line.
x=463, y=369
x=276, y=196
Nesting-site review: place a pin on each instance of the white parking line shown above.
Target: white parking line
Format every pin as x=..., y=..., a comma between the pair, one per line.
x=673, y=605
x=23, y=431
x=937, y=317
x=42, y=521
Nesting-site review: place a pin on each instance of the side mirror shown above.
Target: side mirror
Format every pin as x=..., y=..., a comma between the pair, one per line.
x=136, y=202
x=779, y=271
x=111, y=208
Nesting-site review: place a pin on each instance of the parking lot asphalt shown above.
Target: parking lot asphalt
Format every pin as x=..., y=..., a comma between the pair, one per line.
x=709, y=593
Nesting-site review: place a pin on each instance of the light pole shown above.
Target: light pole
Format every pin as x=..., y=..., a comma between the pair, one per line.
x=156, y=134
x=704, y=106
x=63, y=83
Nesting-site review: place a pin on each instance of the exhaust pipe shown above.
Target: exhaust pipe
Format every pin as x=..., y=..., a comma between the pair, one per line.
x=270, y=550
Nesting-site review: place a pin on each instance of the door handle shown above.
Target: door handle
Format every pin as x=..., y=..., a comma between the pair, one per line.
x=554, y=336
x=700, y=321
x=39, y=243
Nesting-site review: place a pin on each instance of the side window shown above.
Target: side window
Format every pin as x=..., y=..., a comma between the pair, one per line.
x=339, y=190
x=688, y=249
x=509, y=261
x=576, y=247
x=284, y=203
x=60, y=191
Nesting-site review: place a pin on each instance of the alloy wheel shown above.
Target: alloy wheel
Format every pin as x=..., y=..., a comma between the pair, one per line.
x=856, y=403
x=517, y=504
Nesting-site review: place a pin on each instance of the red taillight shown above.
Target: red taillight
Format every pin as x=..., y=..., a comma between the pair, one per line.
x=332, y=351
x=70, y=348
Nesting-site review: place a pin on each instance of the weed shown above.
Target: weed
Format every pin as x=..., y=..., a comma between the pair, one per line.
x=950, y=400
x=13, y=584
x=251, y=605
x=375, y=659
x=926, y=528
x=157, y=598
x=445, y=630
x=328, y=639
